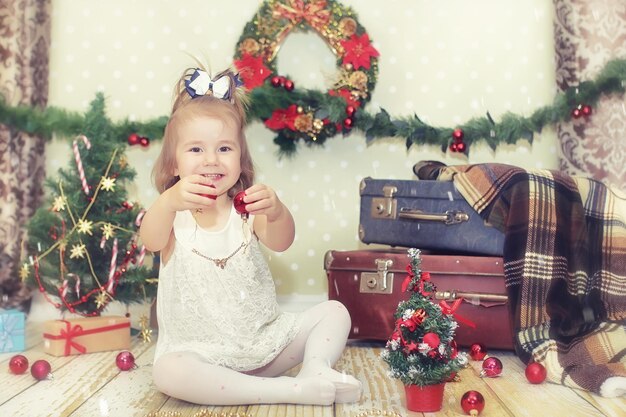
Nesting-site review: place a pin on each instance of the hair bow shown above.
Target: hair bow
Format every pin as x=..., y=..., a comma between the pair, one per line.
x=200, y=83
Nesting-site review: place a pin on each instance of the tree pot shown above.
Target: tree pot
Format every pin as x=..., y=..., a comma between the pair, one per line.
x=426, y=399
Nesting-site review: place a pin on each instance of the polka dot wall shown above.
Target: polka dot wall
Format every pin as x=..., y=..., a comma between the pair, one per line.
x=446, y=61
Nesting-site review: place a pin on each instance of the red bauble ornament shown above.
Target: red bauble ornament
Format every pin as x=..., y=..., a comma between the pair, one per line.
x=289, y=85
x=586, y=110
x=144, y=141
x=40, y=370
x=276, y=80
x=432, y=340
x=133, y=139
x=535, y=373
x=457, y=135
x=477, y=351
x=454, y=350
x=240, y=205
x=347, y=123
x=350, y=110
x=18, y=364
x=472, y=402
x=492, y=367
x=453, y=147
x=125, y=360
x=576, y=113
x=461, y=147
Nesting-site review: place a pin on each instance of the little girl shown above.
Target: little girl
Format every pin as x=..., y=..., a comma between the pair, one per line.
x=222, y=337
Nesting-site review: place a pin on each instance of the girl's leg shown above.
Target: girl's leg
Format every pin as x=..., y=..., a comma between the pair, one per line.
x=185, y=376
x=318, y=346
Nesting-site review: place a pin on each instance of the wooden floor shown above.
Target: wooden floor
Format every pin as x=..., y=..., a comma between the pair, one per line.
x=92, y=386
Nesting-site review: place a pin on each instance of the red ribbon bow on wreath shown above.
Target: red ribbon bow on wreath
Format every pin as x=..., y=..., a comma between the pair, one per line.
x=314, y=13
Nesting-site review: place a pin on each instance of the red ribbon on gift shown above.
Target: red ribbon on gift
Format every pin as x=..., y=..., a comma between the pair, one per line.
x=69, y=333
x=450, y=309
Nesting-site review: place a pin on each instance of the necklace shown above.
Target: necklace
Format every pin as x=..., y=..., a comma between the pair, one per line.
x=221, y=262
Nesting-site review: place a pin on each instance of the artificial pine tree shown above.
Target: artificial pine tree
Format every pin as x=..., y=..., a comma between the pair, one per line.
x=83, y=242
x=421, y=351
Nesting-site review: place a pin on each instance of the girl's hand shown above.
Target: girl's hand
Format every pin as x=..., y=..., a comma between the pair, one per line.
x=191, y=192
x=261, y=199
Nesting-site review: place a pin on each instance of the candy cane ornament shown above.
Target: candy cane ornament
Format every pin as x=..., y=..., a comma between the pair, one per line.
x=112, y=267
x=79, y=163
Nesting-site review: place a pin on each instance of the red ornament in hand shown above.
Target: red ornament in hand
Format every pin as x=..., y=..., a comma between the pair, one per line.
x=477, y=351
x=18, y=364
x=125, y=360
x=240, y=205
x=472, y=402
x=535, y=373
x=492, y=367
x=211, y=196
x=41, y=370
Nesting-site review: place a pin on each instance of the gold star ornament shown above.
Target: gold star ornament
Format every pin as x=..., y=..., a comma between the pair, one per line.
x=24, y=272
x=84, y=226
x=107, y=231
x=58, y=204
x=101, y=299
x=78, y=251
x=107, y=183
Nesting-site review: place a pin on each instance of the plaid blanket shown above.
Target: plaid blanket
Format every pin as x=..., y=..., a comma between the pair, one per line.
x=564, y=266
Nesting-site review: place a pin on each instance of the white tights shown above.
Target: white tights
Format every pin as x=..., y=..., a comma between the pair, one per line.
x=318, y=345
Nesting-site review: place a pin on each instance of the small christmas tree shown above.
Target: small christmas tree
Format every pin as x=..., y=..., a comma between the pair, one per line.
x=421, y=351
x=83, y=243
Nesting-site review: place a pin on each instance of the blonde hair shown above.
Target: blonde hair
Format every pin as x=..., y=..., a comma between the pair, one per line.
x=230, y=110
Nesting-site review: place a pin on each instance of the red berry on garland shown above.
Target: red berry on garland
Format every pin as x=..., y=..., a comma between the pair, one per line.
x=289, y=85
x=457, y=135
x=535, y=373
x=240, y=205
x=477, y=351
x=133, y=139
x=275, y=81
x=41, y=370
x=144, y=141
x=347, y=123
x=125, y=360
x=576, y=113
x=350, y=110
x=454, y=147
x=492, y=367
x=472, y=402
x=461, y=147
x=18, y=364
x=586, y=110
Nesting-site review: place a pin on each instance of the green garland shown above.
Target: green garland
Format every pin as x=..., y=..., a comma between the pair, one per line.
x=511, y=127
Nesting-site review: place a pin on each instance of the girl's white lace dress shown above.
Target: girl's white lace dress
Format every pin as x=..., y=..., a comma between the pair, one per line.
x=229, y=317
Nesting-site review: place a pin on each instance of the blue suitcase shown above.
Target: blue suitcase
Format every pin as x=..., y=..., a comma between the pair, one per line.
x=425, y=214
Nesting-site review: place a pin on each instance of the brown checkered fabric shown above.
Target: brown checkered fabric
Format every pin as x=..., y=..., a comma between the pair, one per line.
x=565, y=268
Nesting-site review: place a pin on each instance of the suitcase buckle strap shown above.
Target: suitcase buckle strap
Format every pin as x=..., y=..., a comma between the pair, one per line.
x=379, y=282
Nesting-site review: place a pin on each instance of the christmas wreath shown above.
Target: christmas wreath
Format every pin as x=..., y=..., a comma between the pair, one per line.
x=306, y=115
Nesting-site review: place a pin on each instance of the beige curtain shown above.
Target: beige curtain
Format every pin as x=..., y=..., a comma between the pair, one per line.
x=589, y=33
x=24, y=51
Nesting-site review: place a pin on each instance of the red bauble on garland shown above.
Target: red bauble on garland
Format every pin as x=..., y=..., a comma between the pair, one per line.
x=492, y=367
x=535, y=373
x=125, y=360
x=18, y=364
x=133, y=139
x=41, y=370
x=477, y=351
x=472, y=402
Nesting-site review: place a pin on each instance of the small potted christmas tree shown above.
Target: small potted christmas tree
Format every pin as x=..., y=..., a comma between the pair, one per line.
x=421, y=352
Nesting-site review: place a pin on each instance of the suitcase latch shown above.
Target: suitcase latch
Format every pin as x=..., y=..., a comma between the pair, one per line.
x=385, y=207
x=379, y=282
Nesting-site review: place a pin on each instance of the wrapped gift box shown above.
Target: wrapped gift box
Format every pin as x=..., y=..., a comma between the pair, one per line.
x=86, y=335
x=11, y=330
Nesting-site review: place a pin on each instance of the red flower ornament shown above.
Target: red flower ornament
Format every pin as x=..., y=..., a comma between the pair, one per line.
x=358, y=51
x=252, y=70
x=283, y=118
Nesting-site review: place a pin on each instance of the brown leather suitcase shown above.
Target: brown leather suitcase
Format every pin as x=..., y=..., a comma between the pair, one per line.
x=369, y=284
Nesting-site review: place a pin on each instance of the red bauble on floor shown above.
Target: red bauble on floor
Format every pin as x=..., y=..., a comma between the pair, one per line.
x=18, y=364
x=535, y=373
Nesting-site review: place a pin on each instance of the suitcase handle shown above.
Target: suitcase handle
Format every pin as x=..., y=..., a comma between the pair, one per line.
x=453, y=295
x=449, y=217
